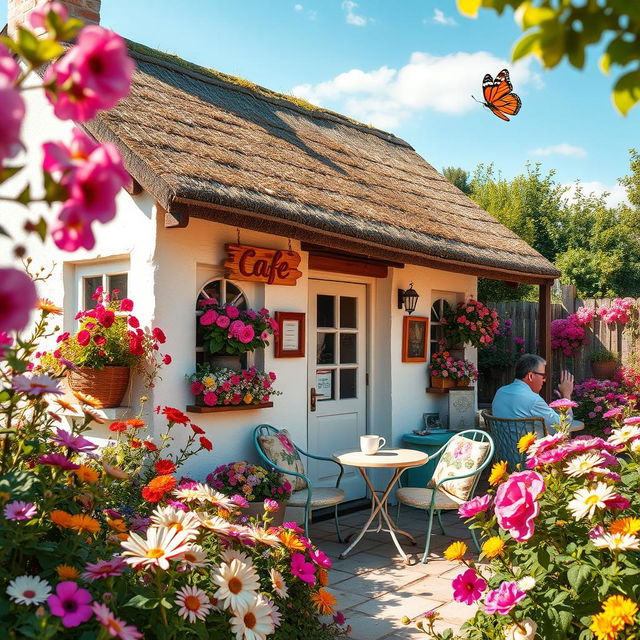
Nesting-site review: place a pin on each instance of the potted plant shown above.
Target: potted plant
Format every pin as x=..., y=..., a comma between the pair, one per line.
x=447, y=372
x=603, y=364
x=260, y=491
x=471, y=322
x=98, y=357
x=229, y=332
x=217, y=386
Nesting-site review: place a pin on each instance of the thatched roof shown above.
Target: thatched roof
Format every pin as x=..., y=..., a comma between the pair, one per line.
x=211, y=146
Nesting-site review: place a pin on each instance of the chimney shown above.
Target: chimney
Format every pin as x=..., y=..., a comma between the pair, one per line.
x=86, y=10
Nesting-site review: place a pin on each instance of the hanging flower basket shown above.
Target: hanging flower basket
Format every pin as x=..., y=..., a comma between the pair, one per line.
x=108, y=385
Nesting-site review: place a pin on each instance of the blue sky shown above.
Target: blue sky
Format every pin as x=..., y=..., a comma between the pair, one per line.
x=408, y=66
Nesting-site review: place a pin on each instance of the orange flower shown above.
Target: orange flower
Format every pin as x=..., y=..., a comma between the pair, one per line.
x=86, y=474
x=626, y=525
x=135, y=422
x=82, y=522
x=291, y=541
x=66, y=405
x=324, y=602
x=66, y=572
x=85, y=398
x=48, y=307
x=123, y=536
x=118, y=525
x=61, y=518
x=323, y=577
x=158, y=487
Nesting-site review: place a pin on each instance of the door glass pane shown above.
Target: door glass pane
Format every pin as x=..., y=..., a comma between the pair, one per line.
x=325, y=384
x=326, y=348
x=118, y=282
x=326, y=312
x=212, y=290
x=348, y=353
x=348, y=312
x=90, y=286
x=348, y=383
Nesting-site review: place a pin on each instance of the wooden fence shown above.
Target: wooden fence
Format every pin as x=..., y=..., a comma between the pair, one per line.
x=524, y=316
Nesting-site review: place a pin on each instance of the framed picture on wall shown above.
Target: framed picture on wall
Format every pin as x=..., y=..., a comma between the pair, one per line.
x=414, y=339
x=290, y=340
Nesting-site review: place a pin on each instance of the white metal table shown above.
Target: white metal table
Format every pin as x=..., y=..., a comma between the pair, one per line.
x=397, y=459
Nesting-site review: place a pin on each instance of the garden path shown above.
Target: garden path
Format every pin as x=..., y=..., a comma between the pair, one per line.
x=373, y=587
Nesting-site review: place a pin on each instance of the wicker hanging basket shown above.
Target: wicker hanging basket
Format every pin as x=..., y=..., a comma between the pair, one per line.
x=107, y=385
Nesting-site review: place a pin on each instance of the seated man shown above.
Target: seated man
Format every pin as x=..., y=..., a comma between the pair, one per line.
x=521, y=398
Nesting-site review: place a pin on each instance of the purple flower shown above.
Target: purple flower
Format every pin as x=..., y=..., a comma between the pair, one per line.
x=74, y=443
x=71, y=603
x=58, y=460
x=35, y=385
x=104, y=569
x=339, y=618
x=293, y=526
x=303, y=569
x=19, y=510
x=239, y=500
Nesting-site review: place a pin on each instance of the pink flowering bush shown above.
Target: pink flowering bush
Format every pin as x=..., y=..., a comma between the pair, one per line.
x=560, y=542
x=217, y=386
x=471, y=322
x=251, y=481
x=444, y=365
x=229, y=330
x=620, y=312
x=568, y=334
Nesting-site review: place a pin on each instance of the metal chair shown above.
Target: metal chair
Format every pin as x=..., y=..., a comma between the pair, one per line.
x=435, y=499
x=507, y=431
x=309, y=498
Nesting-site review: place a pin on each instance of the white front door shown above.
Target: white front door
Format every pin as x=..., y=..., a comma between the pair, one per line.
x=337, y=353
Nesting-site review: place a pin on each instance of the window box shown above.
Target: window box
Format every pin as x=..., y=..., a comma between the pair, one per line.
x=194, y=408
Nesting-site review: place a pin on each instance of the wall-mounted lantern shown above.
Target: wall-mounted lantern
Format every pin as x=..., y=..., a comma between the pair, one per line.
x=408, y=298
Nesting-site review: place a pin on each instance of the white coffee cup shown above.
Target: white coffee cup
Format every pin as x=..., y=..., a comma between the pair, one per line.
x=370, y=444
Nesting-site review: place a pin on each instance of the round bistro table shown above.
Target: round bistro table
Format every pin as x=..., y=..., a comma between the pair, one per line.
x=397, y=459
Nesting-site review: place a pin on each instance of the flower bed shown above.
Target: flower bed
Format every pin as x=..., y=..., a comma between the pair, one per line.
x=597, y=399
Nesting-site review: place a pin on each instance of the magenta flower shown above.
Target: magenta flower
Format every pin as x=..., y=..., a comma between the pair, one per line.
x=35, y=385
x=504, y=598
x=232, y=311
x=237, y=499
x=197, y=388
x=18, y=510
x=271, y=505
x=115, y=627
x=616, y=501
x=99, y=71
x=247, y=334
x=339, y=618
x=223, y=322
x=320, y=558
x=73, y=443
x=57, y=460
x=104, y=569
x=210, y=399
x=38, y=17
x=293, y=526
x=208, y=317
x=563, y=404
x=474, y=507
x=17, y=292
x=303, y=569
x=468, y=587
x=71, y=603
x=516, y=504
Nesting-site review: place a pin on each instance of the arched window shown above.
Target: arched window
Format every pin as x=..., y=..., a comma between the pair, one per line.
x=225, y=292
x=438, y=309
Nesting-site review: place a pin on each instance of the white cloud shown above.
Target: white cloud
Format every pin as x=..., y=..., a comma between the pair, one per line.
x=298, y=7
x=385, y=97
x=616, y=194
x=352, y=17
x=440, y=18
x=562, y=149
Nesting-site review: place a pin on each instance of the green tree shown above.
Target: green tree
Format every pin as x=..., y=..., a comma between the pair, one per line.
x=558, y=29
x=632, y=182
x=459, y=177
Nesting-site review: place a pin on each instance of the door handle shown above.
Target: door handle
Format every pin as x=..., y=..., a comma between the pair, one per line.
x=312, y=398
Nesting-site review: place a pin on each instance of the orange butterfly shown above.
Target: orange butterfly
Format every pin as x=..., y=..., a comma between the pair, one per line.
x=498, y=96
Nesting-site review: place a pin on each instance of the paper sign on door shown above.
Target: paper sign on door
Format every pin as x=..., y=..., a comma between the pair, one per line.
x=324, y=383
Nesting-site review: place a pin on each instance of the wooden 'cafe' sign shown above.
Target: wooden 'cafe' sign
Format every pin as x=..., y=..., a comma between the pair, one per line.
x=256, y=264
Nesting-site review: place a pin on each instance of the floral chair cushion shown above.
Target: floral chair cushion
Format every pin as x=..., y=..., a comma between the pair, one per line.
x=280, y=450
x=461, y=456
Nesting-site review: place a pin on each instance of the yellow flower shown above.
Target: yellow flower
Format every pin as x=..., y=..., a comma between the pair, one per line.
x=455, y=551
x=290, y=540
x=626, y=525
x=604, y=627
x=66, y=572
x=620, y=610
x=324, y=601
x=526, y=441
x=82, y=522
x=493, y=547
x=498, y=472
x=209, y=382
x=248, y=398
x=86, y=474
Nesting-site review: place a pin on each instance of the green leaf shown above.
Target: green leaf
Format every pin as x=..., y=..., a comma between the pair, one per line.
x=53, y=192
x=20, y=484
x=565, y=619
x=141, y=602
x=25, y=196
x=27, y=45
x=8, y=172
x=529, y=45
x=626, y=92
x=620, y=52
x=469, y=8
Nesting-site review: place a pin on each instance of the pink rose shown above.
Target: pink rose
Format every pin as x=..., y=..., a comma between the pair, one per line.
x=84, y=337
x=235, y=328
x=516, y=505
x=474, y=507
x=208, y=317
x=247, y=334
x=232, y=312
x=223, y=321
x=197, y=388
x=210, y=399
x=126, y=304
x=503, y=599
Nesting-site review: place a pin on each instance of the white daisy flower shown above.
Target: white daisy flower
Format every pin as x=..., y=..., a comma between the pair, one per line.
x=617, y=541
x=194, y=556
x=161, y=545
x=276, y=616
x=588, y=499
x=260, y=534
x=253, y=621
x=623, y=434
x=28, y=590
x=177, y=519
x=204, y=493
x=635, y=446
x=527, y=583
x=583, y=464
x=233, y=554
x=279, y=585
x=214, y=523
x=238, y=583
x=193, y=602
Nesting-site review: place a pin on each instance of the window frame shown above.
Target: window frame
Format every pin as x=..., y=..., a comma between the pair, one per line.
x=102, y=269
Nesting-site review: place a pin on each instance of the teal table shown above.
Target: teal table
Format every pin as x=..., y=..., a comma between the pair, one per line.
x=420, y=476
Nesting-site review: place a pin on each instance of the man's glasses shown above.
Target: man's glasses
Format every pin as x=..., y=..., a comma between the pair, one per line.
x=537, y=373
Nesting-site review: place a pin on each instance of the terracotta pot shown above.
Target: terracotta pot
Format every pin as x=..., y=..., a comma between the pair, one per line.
x=107, y=385
x=463, y=382
x=225, y=360
x=604, y=370
x=438, y=382
x=256, y=509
